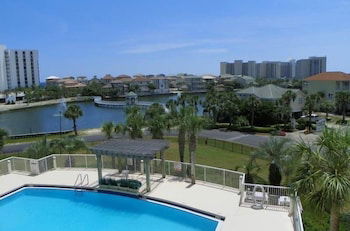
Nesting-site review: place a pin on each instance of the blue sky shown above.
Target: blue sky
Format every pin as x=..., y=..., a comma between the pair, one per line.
x=88, y=37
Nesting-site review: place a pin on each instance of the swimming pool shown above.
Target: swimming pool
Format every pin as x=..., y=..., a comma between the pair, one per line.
x=50, y=209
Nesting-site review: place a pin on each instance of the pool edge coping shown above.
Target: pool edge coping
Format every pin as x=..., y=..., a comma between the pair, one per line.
x=204, y=213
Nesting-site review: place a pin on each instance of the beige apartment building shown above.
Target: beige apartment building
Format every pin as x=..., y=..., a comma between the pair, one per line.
x=328, y=82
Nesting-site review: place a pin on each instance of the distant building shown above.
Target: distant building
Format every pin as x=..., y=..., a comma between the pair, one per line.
x=273, y=93
x=243, y=81
x=18, y=68
x=328, y=83
x=161, y=84
x=299, y=69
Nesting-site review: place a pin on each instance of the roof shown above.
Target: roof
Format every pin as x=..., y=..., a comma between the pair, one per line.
x=141, y=79
x=329, y=76
x=269, y=91
x=123, y=76
x=107, y=77
x=131, y=93
x=145, y=149
x=52, y=78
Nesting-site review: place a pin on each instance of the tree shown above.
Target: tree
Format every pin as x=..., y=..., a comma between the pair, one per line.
x=194, y=124
x=229, y=106
x=73, y=112
x=323, y=176
x=276, y=151
x=67, y=144
x=134, y=122
x=327, y=107
x=156, y=120
x=39, y=149
x=285, y=105
x=107, y=129
x=251, y=169
x=252, y=103
x=211, y=103
x=311, y=103
x=342, y=100
x=3, y=135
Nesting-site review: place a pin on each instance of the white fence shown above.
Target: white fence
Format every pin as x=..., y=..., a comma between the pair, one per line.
x=266, y=196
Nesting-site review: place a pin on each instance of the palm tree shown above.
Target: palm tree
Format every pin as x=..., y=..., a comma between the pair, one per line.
x=39, y=149
x=276, y=151
x=134, y=122
x=285, y=104
x=323, y=177
x=229, y=106
x=327, y=107
x=107, y=129
x=3, y=135
x=68, y=144
x=73, y=112
x=194, y=124
x=156, y=120
x=177, y=114
x=252, y=104
x=251, y=169
x=119, y=128
x=311, y=103
x=342, y=100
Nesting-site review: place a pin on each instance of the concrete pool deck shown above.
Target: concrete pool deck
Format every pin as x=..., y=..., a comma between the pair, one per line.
x=216, y=199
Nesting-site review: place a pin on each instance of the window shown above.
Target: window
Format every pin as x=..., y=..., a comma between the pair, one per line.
x=345, y=85
x=330, y=96
x=338, y=85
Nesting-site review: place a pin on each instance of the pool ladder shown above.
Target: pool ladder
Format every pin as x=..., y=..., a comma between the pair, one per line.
x=81, y=181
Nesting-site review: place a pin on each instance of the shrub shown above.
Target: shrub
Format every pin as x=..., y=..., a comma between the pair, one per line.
x=126, y=183
x=256, y=129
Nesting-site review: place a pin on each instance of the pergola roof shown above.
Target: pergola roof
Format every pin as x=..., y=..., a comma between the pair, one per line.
x=144, y=149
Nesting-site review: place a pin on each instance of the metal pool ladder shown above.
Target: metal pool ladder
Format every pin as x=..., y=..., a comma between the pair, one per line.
x=81, y=181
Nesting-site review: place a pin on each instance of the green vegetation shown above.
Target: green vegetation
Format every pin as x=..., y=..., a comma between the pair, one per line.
x=73, y=112
x=342, y=100
x=107, y=129
x=3, y=135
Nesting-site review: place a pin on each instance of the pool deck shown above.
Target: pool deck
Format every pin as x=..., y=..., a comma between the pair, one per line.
x=216, y=199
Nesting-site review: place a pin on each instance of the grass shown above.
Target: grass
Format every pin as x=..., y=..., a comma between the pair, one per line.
x=216, y=157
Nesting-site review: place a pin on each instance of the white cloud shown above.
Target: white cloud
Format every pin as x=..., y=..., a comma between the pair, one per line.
x=151, y=48
x=211, y=50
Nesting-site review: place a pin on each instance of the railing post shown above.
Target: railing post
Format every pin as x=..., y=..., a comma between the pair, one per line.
x=46, y=164
x=142, y=167
x=205, y=174
x=86, y=165
x=224, y=179
x=169, y=168
x=9, y=166
x=70, y=161
x=241, y=189
x=25, y=165
x=54, y=162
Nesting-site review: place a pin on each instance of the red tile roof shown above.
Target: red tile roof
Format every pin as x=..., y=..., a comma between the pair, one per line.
x=329, y=76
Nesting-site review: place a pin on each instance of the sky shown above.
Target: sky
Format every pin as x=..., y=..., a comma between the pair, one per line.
x=98, y=37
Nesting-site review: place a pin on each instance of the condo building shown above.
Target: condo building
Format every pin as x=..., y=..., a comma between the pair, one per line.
x=299, y=69
x=18, y=68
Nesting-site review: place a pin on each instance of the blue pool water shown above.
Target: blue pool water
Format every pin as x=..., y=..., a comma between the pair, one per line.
x=58, y=210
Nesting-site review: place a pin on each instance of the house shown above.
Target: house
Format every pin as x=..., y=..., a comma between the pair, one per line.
x=107, y=79
x=194, y=83
x=242, y=80
x=140, y=84
x=329, y=83
x=161, y=84
x=273, y=93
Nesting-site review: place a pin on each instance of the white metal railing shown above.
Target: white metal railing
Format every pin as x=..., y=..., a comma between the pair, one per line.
x=297, y=211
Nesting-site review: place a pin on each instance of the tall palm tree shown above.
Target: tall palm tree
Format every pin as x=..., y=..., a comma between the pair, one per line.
x=285, y=104
x=3, y=135
x=252, y=104
x=323, y=177
x=73, y=112
x=107, y=129
x=194, y=124
x=342, y=100
x=156, y=120
x=276, y=150
x=311, y=104
x=134, y=122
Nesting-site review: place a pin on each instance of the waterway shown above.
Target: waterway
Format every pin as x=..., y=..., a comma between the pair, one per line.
x=48, y=119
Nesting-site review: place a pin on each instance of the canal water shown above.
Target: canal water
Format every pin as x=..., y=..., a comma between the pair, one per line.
x=47, y=119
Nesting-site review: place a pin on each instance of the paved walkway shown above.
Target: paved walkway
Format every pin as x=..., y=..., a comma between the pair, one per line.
x=234, y=136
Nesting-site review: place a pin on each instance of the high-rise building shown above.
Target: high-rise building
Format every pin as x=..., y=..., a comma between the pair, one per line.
x=18, y=68
x=238, y=67
x=299, y=69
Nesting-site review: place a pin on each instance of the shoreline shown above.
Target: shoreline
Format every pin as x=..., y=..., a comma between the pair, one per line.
x=19, y=106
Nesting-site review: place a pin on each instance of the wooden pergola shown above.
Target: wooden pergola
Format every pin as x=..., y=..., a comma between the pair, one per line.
x=145, y=150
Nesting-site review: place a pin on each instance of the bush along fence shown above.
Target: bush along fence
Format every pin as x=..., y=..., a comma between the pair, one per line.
x=251, y=195
x=226, y=145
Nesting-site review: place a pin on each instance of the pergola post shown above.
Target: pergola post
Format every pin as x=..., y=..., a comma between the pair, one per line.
x=163, y=163
x=113, y=162
x=99, y=168
x=148, y=181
